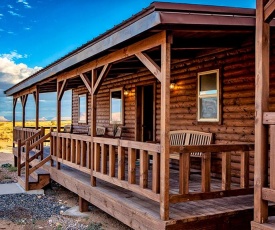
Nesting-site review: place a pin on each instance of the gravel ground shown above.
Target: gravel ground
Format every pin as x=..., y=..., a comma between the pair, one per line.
x=27, y=208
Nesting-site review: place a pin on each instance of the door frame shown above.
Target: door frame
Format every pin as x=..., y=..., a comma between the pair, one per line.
x=139, y=111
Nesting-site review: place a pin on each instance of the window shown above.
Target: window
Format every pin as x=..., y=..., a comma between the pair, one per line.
x=116, y=106
x=208, y=96
x=82, y=108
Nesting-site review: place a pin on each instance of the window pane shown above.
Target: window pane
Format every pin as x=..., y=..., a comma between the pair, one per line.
x=116, y=106
x=208, y=84
x=208, y=107
x=82, y=117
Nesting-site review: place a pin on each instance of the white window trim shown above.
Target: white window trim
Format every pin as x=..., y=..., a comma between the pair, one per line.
x=217, y=95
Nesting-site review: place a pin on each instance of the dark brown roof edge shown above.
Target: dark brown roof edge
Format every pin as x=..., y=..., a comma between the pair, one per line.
x=195, y=8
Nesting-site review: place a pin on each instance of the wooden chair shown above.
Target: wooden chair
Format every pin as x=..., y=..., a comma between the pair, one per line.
x=100, y=131
x=189, y=137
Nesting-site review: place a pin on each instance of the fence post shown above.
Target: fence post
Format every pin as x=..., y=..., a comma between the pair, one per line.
x=27, y=166
x=18, y=157
x=42, y=144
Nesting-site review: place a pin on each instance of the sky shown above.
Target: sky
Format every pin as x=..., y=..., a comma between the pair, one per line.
x=35, y=33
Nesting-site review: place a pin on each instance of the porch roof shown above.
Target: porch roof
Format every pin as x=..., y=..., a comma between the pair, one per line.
x=158, y=16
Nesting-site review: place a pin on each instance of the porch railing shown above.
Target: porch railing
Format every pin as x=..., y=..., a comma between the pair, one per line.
x=135, y=166
x=226, y=187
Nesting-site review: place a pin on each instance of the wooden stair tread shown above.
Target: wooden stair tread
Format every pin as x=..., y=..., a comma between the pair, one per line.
x=31, y=179
x=41, y=171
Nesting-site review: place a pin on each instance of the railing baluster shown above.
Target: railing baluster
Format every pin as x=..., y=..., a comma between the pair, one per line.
x=131, y=166
x=68, y=149
x=73, y=149
x=103, y=158
x=19, y=157
x=27, y=166
x=184, y=172
x=226, y=170
x=78, y=153
x=63, y=143
x=156, y=173
x=88, y=154
x=121, y=163
x=206, y=172
x=244, y=177
x=83, y=153
x=144, y=169
x=112, y=160
x=97, y=157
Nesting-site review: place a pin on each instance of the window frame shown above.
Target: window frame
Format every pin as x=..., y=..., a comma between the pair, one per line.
x=83, y=95
x=217, y=95
x=121, y=122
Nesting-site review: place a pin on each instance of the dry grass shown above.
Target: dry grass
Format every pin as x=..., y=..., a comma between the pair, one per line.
x=6, y=132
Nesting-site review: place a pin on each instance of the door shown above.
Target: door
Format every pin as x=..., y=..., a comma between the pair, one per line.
x=145, y=107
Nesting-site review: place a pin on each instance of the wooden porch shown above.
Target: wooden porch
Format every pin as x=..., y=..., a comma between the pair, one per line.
x=125, y=178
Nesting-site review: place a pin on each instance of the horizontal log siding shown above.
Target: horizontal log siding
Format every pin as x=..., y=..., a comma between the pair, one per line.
x=237, y=81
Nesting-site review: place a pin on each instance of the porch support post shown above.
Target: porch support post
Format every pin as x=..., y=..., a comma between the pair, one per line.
x=261, y=106
x=36, y=99
x=165, y=127
x=24, y=101
x=61, y=85
x=13, y=125
x=93, y=122
x=13, y=111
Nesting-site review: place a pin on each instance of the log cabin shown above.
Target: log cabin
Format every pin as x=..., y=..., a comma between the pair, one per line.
x=171, y=68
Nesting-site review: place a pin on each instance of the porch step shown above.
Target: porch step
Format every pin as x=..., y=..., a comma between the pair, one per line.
x=39, y=179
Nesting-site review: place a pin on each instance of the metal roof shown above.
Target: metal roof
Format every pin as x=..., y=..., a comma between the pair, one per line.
x=157, y=14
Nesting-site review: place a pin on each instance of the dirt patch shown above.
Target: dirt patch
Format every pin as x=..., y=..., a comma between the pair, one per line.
x=20, y=215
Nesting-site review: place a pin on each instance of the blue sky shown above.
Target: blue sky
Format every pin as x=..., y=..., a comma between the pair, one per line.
x=35, y=33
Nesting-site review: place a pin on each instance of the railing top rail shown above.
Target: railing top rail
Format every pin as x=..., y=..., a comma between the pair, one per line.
x=213, y=148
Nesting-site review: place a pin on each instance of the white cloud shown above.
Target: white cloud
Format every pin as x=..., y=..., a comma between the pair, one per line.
x=10, y=6
x=26, y=4
x=11, y=72
x=2, y=118
x=43, y=119
x=14, y=14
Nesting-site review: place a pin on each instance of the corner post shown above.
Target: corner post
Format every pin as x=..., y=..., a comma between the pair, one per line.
x=165, y=125
x=261, y=106
x=93, y=122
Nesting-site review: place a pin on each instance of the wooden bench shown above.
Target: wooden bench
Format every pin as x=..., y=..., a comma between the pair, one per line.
x=189, y=137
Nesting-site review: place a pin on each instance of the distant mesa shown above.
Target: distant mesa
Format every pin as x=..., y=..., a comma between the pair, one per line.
x=62, y=119
x=2, y=118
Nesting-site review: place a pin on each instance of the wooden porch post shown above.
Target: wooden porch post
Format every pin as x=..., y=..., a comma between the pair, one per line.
x=13, y=125
x=24, y=99
x=93, y=122
x=61, y=85
x=261, y=106
x=165, y=127
x=36, y=99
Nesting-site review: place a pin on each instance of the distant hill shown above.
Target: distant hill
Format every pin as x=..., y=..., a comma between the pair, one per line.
x=2, y=118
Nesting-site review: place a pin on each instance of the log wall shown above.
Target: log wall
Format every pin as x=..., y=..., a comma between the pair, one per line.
x=237, y=76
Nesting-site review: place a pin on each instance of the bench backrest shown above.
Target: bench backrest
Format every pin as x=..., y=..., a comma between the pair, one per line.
x=189, y=137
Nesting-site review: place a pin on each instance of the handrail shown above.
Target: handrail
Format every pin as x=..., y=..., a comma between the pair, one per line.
x=32, y=137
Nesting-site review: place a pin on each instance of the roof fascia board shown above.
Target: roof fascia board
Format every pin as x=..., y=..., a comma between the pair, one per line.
x=143, y=24
x=206, y=19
